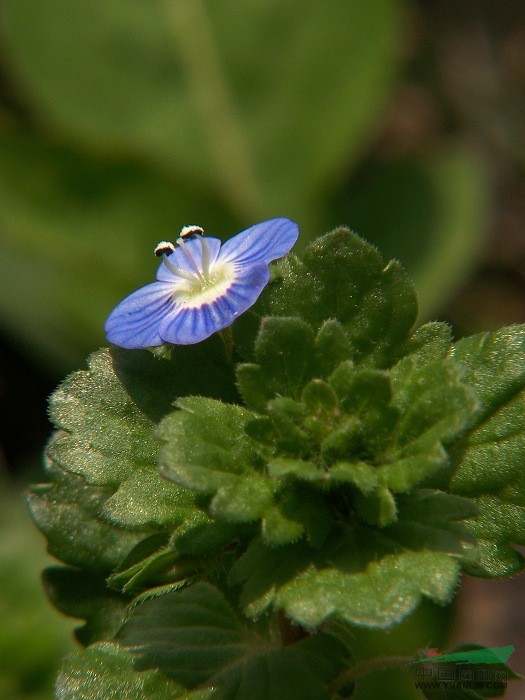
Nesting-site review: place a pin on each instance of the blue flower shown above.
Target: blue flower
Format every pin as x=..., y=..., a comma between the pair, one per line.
x=201, y=286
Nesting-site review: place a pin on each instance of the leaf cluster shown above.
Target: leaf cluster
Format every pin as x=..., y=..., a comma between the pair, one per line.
x=220, y=521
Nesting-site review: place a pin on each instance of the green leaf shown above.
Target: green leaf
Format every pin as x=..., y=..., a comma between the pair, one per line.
x=488, y=461
x=359, y=581
x=90, y=225
x=83, y=594
x=367, y=598
x=341, y=276
x=201, y=535
x=278, y=529
x=109, y=413
x=319, y=397
x=284, y=350
x=107, y=670
x=432, y=341
x=244, y=500
x=433, y=215
x=194, y=637
x=153, y=97
x=332, y=346
x=297, y=509
x=432, y=520
x=434, y=401
x=67, y=511
x=254, y=387
x=206, y=445
x=163, y=567
x=286, y=416
x=368, y=395
x=378, y=508
x=360, y=474
x=403, y=474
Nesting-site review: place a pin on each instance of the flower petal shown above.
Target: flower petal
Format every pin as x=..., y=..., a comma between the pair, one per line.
x=134, y=323
x=179, y=258
x=261, y=243
x=186, y=325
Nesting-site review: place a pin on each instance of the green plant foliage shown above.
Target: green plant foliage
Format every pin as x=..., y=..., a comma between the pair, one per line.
x=105, y=496
x=226, y=520
x=106, y=670
x=343, y=580
x=89, y=224
x=122, y=456
x=144, y=79
x=342, y=277
x=67, y=506
x=195, y=638
x=33, y=639
x=82, y=593
x=433, y=215
x=118, y=143
x=488, y=460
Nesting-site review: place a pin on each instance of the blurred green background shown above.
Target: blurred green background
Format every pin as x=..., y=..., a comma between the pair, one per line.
x=123, y=120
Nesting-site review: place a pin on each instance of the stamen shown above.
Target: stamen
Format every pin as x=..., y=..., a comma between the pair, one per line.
x=177, y=270
x=164, y=248
x=206, y=257
x=191, y=231
x=191, y=261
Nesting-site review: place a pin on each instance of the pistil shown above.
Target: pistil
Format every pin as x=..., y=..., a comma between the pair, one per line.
x=180, y=242
x=206, y=257
x=176, y=270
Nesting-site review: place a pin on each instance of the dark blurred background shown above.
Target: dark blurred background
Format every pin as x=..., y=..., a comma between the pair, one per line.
x=122, y=121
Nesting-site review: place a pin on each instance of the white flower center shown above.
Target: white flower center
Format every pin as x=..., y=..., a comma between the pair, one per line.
x=203, y=285
x=200, y=291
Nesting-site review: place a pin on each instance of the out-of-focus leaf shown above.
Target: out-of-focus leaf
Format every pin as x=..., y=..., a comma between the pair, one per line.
x=33, y=638
x=76, y=236
x=430, y=213
x=149, y=78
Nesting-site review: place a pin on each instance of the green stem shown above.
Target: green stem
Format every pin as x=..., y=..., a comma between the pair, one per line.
x=364, y=667
x=227, y=339
x=229, y=148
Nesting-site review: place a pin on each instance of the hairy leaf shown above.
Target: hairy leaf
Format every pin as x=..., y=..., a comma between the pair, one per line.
x=341, y=276
x=108, y=414
x=67, y=511
x=349, y=580
x=83, y=594
x=206, y=446
x=488, y=463
x=194, y=637
x=106, y=670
